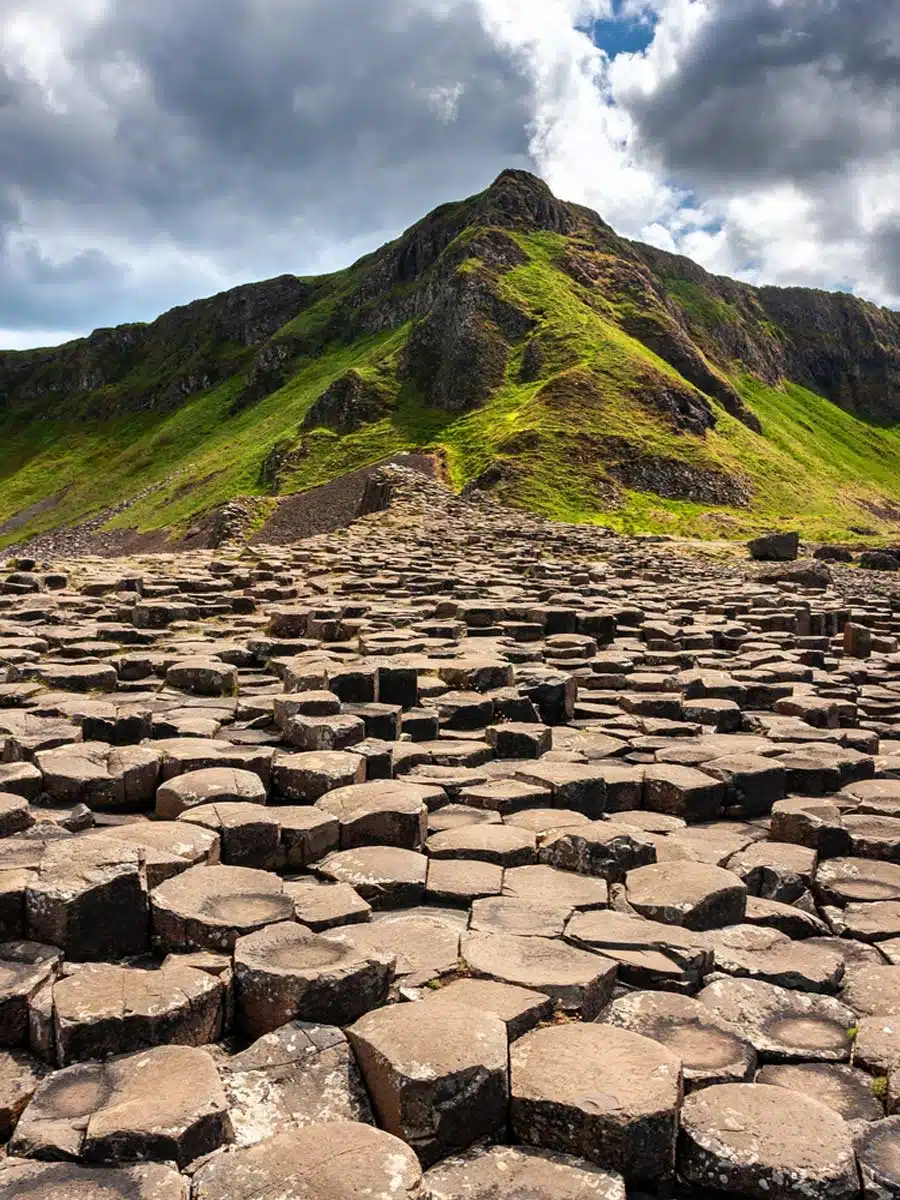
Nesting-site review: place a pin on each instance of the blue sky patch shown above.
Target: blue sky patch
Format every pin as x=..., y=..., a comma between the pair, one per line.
x=622, y=35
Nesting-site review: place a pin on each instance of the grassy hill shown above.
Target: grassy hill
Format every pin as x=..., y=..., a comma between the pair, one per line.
x=536, y=353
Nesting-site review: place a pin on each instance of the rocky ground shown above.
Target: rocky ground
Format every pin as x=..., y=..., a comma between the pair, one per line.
x=452, y=854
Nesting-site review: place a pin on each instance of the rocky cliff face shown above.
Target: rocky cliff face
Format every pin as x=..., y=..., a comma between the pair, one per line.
x=704, y=326
x=554, y=341
x=133, y=368
x=842, y=347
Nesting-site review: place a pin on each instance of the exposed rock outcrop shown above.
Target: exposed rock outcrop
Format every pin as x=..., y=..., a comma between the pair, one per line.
x=351, y=401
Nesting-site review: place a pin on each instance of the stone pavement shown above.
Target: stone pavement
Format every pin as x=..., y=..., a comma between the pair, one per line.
x=452, y=854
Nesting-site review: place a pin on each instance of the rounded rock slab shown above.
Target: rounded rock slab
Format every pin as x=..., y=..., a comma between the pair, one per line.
x=300, y=1074
x=23, y=1179
x=576, y=980
x=501, y=844
x=168, y=847
x=382, y=812
x=424, y=942
x=873, y=991
x=842, y=881
x=783, y=1025
x=165, y=1104
x=541, y=884
x=209, y=908
x=648, y=953
x=758, y=953
x=203, y=677
x=249, y=835
x=105, y=778
x=503, y=914
x=105, y=1009
x=879, y=1160
x=305, y=778
x=520, y=1009
x=847, y=1090
x=340, y=1160
x=606, y=1094
x=691, y=894
x=753, y=1140
x=285, y=972
x=487, y=1174
x=208, y=786
x=436, y=1073
x=89, y=897
x=711, y=1050
x=385, y=876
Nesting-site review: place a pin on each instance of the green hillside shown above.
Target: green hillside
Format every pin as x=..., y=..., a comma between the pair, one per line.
x=518, y=338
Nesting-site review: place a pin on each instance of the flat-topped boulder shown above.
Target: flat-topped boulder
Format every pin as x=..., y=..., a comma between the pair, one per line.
x=695, y=895
x=304, y=778
x=877, y=1157
x=608, y=849
x=506, y=914
x=711, y=1050
x=106, y=1009
x=750, y=1139
x=321, y=906
x=602, y=1093
x=437, y=1074
x=164, y=1104
x=297, y=1075
x=285, y=972
x=383, y=812
x=88, y=896
x=519, y=1008
x=203, y=676
x=847, y=1090
x=167, y=847
x=841, y=881
x=485, y=1173
x=547, y=885
x=783, y=1025
x=209, y=908
x=504, y=845
x=648, y=954
x=751, y=952
x=56, y=1181
x=385, y=876
x=210, y=785
x=337, y=1160
x=249, y=835
x=424, y=942
x=577, y=981
x=181, y=755
x=101, y=776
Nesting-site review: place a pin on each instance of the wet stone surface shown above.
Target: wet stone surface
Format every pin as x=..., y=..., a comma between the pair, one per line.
x=452, y=854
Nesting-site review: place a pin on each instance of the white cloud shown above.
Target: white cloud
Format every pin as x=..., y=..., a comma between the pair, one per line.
x=757, y=136
x=150, y=153
x=581, y=140
x=444, y=101
x=17, y=339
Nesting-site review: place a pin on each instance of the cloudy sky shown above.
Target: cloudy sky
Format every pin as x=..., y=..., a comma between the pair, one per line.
x=152, y=151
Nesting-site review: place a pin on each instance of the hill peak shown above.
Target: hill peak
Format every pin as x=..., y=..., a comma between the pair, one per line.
x=523, y=200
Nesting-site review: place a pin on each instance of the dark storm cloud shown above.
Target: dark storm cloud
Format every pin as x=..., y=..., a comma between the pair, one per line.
x=244, y=134
x=775, y=90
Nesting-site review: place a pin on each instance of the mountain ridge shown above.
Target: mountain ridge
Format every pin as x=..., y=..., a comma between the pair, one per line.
x=512, y=333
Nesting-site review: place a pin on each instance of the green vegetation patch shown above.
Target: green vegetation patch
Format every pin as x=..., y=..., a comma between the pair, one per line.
x=591, y=393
